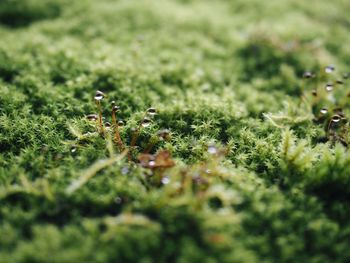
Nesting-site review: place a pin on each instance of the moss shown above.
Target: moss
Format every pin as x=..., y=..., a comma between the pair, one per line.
x=260, y=174
x=22, y=13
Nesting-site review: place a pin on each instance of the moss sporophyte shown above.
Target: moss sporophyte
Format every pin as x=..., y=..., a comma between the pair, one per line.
x=323, y=100
x=327, y=101
x=157, y=162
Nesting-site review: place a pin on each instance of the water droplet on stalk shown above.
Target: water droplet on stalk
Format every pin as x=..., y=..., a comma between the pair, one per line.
x=73, y=149
x=92, y=117
x=125, y=170
x=163, y=134
x=108, y=124
x=307, y=75
x=329, y=87
x=165, y=180
x=115, y=108
x=151, y=111
x=329, y=69
x=118, y=200
x=121, y=123
x=323, y=111
x=146, y=122
x=336, y=118
x=99, y=95
x=212, y=149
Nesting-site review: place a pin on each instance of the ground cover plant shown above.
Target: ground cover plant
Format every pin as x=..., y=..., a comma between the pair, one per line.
x=174, y=131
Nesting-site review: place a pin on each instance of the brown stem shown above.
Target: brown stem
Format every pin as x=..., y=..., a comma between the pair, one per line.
x=117, y=137
x=100, y=117
x=134, y=137
x=150, y=146
x=136, y=133
x=328, y=128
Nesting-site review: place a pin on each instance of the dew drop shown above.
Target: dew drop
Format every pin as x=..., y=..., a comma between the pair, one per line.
x=73, y=149
x=125, y=170
x=116, y=108
x=121, y=123
x=151, y=163
x=92, y=117
x=118, y=200
x=146, y=122
x=165, y=180
x=108, y=124
x=336, y=118
x=323, y=111
x=329, y=69
x=163, y=134
x=212, y=149
x=307, y=75
x=329, y=87
x=151, y=111
x=99, y=95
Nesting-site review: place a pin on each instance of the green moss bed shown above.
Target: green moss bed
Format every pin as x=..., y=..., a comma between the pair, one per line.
x=254, y=166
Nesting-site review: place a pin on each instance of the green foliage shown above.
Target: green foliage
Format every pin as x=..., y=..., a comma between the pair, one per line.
x=17, y=13
x=223, y=74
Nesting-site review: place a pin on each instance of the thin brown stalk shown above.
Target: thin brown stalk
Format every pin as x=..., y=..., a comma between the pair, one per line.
x=117, y=136
x=100, y=116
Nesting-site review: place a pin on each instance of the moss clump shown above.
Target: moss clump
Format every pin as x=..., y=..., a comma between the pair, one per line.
x=251, y=171
x=19, y=13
